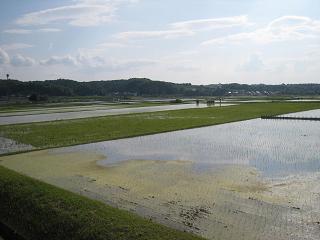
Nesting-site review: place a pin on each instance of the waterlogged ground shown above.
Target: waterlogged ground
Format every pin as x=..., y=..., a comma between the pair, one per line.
x=8, y=145
x=255, y=179
x=42, y=110
x=29, y=117
x=311, y=113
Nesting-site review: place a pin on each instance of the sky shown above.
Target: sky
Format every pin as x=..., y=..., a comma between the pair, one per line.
x=182, y=41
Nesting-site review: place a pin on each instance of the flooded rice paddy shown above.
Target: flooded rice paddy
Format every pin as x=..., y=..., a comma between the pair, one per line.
x=311, y=113
x=8, y=145
x=41, y=110
x=256, y=179
x=26, y=117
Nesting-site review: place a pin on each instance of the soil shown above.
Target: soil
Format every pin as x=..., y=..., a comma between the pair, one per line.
x=232, y=202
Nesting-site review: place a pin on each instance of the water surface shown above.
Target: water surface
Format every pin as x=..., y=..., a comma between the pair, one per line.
x=6, y=120
x=275, y=147
x=256, y=179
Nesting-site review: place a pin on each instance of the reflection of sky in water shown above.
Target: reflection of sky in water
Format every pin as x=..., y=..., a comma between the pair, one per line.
x=311, y=113
x=275, y=147
x=96, y=113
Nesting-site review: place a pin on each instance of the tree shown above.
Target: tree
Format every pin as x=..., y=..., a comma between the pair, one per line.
x=33, y=97
x=8, y=76
x=176, y=101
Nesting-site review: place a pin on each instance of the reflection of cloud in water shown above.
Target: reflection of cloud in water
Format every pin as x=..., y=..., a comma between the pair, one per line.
x=95, y=113
x=219, y=195
x=276, y=147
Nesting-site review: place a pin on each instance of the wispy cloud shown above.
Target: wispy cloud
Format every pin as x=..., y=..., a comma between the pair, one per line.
x=106, y=45
x=18, y=31
x=15, y=46
x=286, y=28
x=21, y=61
x=96, y=62
x=4, y=57
x=212, y=23
x=153, y=34
x=253, y=64
x=47, y=30
x=16, y=60
x=187, y=28
x=82, y=13
x=101, y=49
x=60, y=60
x=128, y=64
x=29, y=31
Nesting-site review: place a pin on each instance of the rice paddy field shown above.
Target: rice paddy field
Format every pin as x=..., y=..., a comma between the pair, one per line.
x=78, y=131
x=85, y=112
x=247, y=179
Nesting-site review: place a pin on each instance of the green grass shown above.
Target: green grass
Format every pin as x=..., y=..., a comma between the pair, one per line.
x=36, y=210
x=72, y=132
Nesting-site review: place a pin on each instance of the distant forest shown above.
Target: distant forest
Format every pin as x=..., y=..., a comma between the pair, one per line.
x=147, y=87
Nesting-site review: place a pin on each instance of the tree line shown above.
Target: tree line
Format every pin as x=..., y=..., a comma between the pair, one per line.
x=147, y=87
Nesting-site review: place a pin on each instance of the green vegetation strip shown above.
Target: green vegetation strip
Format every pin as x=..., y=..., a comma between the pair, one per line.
x=72, y=132
x=36, y=210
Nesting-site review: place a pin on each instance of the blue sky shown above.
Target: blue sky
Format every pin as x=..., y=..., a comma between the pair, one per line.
x=197, y=41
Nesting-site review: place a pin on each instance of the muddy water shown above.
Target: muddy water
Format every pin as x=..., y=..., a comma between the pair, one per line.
x=8, y=145
x=256, y=179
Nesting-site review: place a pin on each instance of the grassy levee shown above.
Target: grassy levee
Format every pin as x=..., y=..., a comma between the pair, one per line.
x=36, y=210
x=72, y=132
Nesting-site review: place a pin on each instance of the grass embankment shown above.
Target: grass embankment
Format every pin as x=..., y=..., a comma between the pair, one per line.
x=36, y=210
x=72, y=132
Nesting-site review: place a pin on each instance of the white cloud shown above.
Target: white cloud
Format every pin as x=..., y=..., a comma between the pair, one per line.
x=17, y=31
x=129, y=64
x=212, y=23
x=29, y=31
x=182, y=68
x=286, y=28
x=4, y=57
x=95, y=60
x=47, y=30
x=81, y=13
x=154, y=34
x=15, y=46
x=101, y=48
x=90, y=61
x=111, y=45
x=305, y=63
x=60, y=60
x=253, y=64
x=21, y=61
x=187, y=28
x=17, y=60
